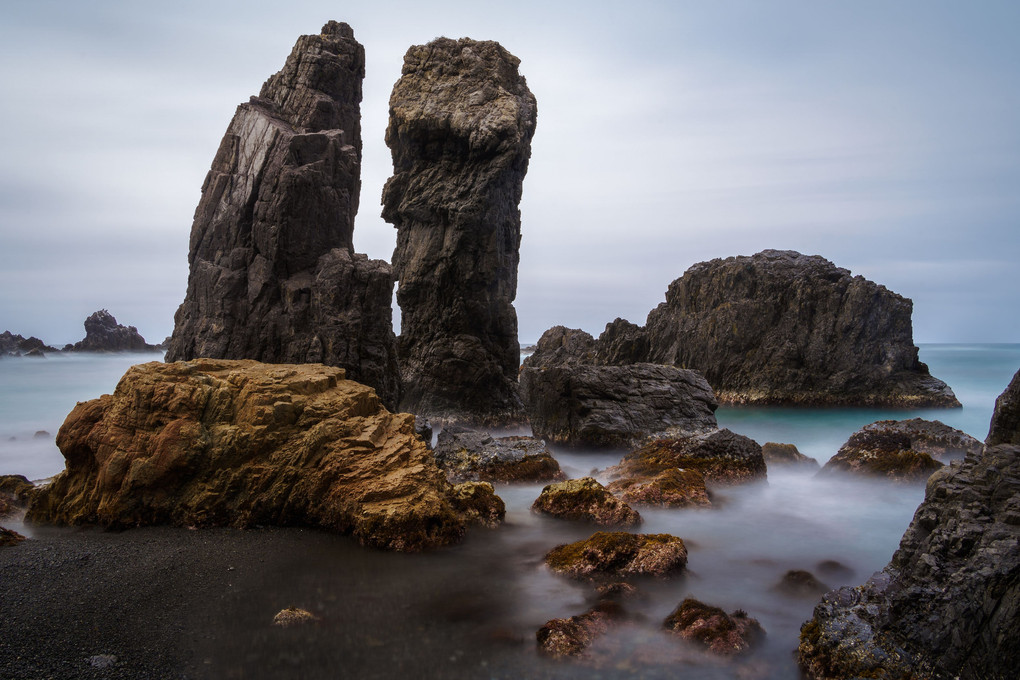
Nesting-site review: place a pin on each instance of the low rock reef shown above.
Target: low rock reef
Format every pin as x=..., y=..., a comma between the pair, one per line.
x=239, y=443
x=948, y=604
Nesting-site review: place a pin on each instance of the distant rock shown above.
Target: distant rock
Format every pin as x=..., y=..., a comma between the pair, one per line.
x=460, y=130
x=273, y=272
x=619, y=554
x=1005, y=425
x=467, y=454
x=16, y=345
x=719, y=632
x=239, y=443
x=585, y=500
x=780, y=327
x=104, y=334
x=786, y=455
x=948, y=604
x=671, y=488
x=900, y=450
x=800, y=583
x=721, y=456
x=572, y=400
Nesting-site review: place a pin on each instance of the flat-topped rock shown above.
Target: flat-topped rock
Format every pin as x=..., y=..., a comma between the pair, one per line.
x=467, y=454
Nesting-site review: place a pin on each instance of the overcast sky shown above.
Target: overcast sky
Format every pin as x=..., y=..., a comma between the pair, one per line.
x=884, y=136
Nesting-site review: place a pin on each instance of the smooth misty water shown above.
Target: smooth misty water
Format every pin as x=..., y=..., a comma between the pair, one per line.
x=472, y=610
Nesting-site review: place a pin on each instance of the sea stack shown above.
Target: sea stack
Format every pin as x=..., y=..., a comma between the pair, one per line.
x=274, y=276
x=104, y=334
x=461, y=123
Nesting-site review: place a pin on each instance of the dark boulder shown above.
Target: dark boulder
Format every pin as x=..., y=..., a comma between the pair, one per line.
x=900, y=450
x=800, y=583
x=571, y=637
x=14, y=345
x=273, y=272
x=104, y=334
x=1005, y=425
x=478, y=503
x=719, y=632
x=460, y=130
x=609, y=556
x=467, y=454
x=721, y=456
x=585, y=500
x=779, y=327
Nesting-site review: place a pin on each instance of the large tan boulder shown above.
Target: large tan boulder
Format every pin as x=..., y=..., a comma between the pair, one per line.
x=241, y=443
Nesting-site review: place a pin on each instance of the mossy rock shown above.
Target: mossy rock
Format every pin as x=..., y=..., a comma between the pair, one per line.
x=585, y=500
x=721, y=633
x=619, y=554
x=672, y=488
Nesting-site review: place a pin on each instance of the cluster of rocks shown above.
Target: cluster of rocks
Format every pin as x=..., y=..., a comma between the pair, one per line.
x=12, y=345
x=102, y=334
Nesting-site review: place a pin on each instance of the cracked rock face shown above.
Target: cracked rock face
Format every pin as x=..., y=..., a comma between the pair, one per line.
x=274, y=276
x=460, y=130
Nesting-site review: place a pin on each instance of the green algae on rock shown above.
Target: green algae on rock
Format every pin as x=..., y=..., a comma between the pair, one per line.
x=613, y=555
x=585, y=500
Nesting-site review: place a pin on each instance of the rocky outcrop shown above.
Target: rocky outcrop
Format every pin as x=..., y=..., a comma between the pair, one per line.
x=779, y=327
x=461, y=123
x=585, y=500
x=719, y=632
x=948, y=604
x=786, y=455
x=15, y=345
x=572, y=400
x=104, y=334
x=1005, y=425
x=274, y=276
x=671, y=488
x=901, y=450
x=722, y=457
x=619, y=554
x=239, y=443
x=467, y=454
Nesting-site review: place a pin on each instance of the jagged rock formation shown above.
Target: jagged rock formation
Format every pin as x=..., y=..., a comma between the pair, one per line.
x=274, y=276
x=585, y=500
x=104, y=334
x=672, y=488
x=461, y=123
x=1005, y=425
x=16, y=345
x=948, y=604
x=779, y=327
x=240, y=443
x=570, y=399
x=467, y=454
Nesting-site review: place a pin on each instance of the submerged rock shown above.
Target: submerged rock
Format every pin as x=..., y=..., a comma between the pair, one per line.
x=721, y=633
x=786, y=455
x=460, y=130
x=619, y=554
x=800, y=583
x=672, y=488
x=948, y=604
x=899, y=450
x=780, y=327
x=104, y=334
x=468, y=454
x=721, y=456
x=239, y=443
x=273, y=272
x=1005, y=425
x=585, y=500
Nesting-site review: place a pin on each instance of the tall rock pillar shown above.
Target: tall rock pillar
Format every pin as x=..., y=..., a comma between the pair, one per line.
x=461, y=123
x=274, y=276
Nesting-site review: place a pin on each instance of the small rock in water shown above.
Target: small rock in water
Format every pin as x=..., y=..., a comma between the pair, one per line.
x=293, y=616
x=800, y=583
x=721, y=633
x=585, y=500
x=41, y=433
x=834, y=569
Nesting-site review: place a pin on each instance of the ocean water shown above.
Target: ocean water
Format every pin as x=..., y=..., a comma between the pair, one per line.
x=473, y=610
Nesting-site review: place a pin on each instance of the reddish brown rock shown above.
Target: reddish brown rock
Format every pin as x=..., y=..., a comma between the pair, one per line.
x=585, y=500
x=721, y=633
x=239, y=443
x=612, y=555
x=571, y=637
x=9, y=537
x=672, y=488
x=800, y=583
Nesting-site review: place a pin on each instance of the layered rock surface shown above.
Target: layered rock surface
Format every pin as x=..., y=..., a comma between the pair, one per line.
x=467, y=454
x=780, y=327
x=239, y=443
x=460, y=130
x=104, y=334
x=585, y=500
x=948, y=604
x=274, y=276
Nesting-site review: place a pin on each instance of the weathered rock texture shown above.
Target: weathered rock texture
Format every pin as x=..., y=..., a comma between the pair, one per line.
x=721, y=633
x=1005, y=425
x=585, y=500
x=786, y=455
x=901, y=450
x=104, y=334
x=619, y=554
x=478, y=503
x=461, y=123
x=948, y=604
x=274, y=276
x=239, y=443
x=784, y=328
x=571, y=399
x=721, y=456
x=671, y=488
x=467, y=454
x=571, y=637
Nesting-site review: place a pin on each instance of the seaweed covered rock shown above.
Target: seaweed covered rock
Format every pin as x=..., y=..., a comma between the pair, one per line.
x=948, y=604
x=467, y=454
x=786, y=455
x=719, y=632
x=273, y=272
x=898, y=450
x=460, y=129
x=721, y=456
x=571, y=637
x=478, y=503
x=671, y=488
x=619, y=554
x=780, y=327
x=239, y=443
x=585, y=500
x=1005, y=425
x=104, y=334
